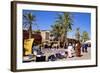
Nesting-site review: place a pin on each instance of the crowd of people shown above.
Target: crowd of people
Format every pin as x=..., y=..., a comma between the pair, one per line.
x=70, y=50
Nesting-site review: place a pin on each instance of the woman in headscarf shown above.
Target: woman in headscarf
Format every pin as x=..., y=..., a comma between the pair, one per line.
x=78, y=49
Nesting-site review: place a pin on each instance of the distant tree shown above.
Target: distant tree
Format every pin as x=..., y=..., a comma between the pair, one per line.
x=85, y=36
x=37, y=31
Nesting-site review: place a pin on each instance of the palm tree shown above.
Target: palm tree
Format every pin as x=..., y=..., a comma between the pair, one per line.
x=65, y=21
x=77, y=34
x=29, y=18
x=56, y=31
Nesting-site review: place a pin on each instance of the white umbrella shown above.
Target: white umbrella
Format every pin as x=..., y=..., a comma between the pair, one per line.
x=88, y=41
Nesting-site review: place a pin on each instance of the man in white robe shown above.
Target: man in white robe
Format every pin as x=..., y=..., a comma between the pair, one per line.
x=70, y=51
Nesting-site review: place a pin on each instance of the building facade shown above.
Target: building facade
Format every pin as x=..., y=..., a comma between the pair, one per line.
x=45, y=35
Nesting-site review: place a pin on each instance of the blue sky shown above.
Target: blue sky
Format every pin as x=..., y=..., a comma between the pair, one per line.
x=44, y=20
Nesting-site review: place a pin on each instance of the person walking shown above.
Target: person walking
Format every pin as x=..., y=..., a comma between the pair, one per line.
x=86, y=46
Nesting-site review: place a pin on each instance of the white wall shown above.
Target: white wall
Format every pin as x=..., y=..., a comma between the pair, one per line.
x=5, y=37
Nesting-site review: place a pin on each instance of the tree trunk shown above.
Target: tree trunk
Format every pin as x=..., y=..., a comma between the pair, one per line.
x=30, y=31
